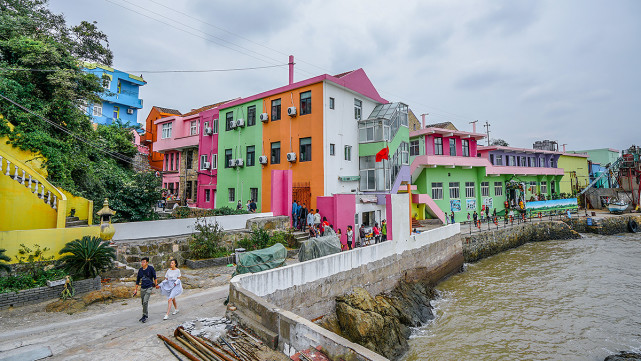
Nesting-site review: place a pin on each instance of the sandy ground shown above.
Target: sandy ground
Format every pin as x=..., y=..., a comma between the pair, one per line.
x=111, y=330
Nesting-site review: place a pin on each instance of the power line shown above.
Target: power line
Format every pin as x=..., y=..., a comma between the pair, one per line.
x=157, y=71
x=113, y=154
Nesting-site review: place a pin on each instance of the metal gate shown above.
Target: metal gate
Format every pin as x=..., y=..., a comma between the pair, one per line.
x=301, y=193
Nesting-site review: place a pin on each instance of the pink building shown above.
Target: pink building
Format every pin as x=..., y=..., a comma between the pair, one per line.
x=208, y=159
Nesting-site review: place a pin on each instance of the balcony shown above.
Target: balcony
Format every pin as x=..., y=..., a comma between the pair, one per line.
x=126, y=98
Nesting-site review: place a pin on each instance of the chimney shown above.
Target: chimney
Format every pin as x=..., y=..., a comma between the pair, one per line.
x=291, y=69
x=564, y=147
x=423, y=118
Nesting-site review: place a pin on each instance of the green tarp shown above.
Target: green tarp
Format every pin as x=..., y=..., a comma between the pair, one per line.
x=319, y=247
x=261, y=260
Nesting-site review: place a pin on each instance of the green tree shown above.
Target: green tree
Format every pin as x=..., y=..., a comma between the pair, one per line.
x=499, y=141
x=4, y=258
x=33, y=38
x=87, y=257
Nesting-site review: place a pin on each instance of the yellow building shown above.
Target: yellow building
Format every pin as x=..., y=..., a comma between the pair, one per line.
x=576, y=173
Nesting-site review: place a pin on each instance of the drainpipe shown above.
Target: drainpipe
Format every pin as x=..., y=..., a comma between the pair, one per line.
x=291, y=69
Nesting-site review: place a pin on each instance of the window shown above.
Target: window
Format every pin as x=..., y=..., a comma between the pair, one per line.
x=251, y=115
x=253, y=194
x=229, y=118
x=414, y=147
x=116, y=112
x=498, y=159
x=529, y=161
x=551, y=163
x=332, y=151
x=533, y=186
x=232, y=194
x=466, y=147
x=438, y=146
x=469, y=190
x=544, y=187
x=358, y=109
x=275, y=155
x=437, y=190
x=305, y=149
x=348, y=152
x=510, y=160
x=188, y=190
x=190, y=159
x=251, y=155
x=275, y=109
x=205, y=126
x=452, y=146
x=203, y=159
x=228, y=157
x=119, y=87
x=306, y=102
x=177, y=161
x=193, y=127
x=332, y=103
x=97, y=110
x=166, y=130
x=498, y=188
x=404, y=147
x=171, y=161
x=485, y=189
x=454, y=190
x=214, y=161
x=552, y=187
x=207, y=195
x=367, y=173
x=214, y=126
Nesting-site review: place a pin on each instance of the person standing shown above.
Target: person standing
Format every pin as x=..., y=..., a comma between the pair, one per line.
x=317, y=219
x=248, y=205
x=147, y=280
x=452, y=217
x=252, y=207
x=294, y=212
x=239, y=205
x=171, y=287
x=383, y=231
x=377, y=234
x=310, y=219
x=361, y=234
x=487, y=213
x=475, y=216
x=350, y=237
x=303, y=217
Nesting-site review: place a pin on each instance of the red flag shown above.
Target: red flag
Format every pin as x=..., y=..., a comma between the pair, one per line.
x=383, y=154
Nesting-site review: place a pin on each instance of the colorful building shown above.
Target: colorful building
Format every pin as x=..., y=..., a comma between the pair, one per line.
x=151, y=134
x=208, y=159
x=598, y=160
x=576, y=174
x=120, y=100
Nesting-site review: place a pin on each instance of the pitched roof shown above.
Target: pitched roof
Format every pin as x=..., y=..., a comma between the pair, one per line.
x=202, y=109
x=444, y=125
x=167, y=110
x=342, y=74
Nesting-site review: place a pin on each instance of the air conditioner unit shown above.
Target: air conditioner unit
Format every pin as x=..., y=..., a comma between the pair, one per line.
x=264, y=117
x=232, y=163
x=206, y=165
x=291, y=157
x=291, y=111
x=262, y=159
x=130, y=111
x=239, y=162
x=208, y=131
x=232, y=124
x=240, y=122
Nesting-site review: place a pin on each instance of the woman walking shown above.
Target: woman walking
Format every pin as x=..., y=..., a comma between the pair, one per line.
x=350, y=237
x=171, y=287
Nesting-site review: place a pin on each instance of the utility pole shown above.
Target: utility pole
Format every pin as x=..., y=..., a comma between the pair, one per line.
x=474, y=126
x=487, y=129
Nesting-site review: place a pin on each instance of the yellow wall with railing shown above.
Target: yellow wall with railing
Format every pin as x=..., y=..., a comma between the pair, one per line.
x=52, y=238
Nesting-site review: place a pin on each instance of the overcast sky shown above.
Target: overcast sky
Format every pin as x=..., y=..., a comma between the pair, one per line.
x=560, y=70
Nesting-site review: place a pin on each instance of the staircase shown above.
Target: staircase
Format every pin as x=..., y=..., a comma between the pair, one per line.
x=75, y=222
x=301, y=236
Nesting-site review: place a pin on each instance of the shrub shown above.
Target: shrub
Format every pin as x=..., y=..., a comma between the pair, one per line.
x=259, y=238
x=33, y=260
x=207, y=242
x=24, y=280
x=187, y=212
x=87, y=257
x=4, y=258
x=286, y=238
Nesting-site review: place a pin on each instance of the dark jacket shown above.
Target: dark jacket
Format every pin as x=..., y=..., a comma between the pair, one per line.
x=303, y=213
x=147, y=276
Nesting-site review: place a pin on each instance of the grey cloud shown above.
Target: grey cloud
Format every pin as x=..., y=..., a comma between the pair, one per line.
x=507, y=17
x=482, y=79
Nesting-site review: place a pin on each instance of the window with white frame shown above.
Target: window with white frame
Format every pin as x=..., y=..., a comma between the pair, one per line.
x=193, y=127
x=498, y=188
x=498, y=159
x=358, y=109
x=452, y=147
x=348, y=152
x=455, y=190
x=166, y=130
x=414, y=147
x=332, y=149
x=214, y=161
x=437, y=190
x=438, y=146
x=485, y=189
x=544, y=187
x=214, y=126
x=203, y=160
x=469, y=190
x=533, y=186
x=231, y=194
x=207, y=195
x=97, y=110
x=466, y=147
x=405, y=152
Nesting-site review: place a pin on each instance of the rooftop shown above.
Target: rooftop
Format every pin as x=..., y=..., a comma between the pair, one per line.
x=447, y=133
x=168, y=110
x=527, y=150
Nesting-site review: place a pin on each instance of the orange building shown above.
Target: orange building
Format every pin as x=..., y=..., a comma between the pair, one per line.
x=151, y=134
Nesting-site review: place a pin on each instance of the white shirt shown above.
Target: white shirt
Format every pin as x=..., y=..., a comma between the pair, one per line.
x=172, y=274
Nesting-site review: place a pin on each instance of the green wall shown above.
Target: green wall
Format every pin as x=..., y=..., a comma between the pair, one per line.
x=242, y=179
x=573, y=164
x=403, y=135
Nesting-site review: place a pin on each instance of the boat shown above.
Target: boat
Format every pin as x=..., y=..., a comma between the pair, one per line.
x=617, y=206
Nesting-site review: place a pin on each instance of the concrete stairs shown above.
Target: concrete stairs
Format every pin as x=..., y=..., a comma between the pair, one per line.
x=430, y=222
x=301, y=236
x=75, y=222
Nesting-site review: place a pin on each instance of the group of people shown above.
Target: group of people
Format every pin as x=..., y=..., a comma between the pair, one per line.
x=171, y=286
x=251, y=206
x=474, y=216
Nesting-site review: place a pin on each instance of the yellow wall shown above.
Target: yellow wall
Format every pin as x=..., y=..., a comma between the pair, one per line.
x=572, y=164
x=52, y=238
x=21, y=209
x=83, y=207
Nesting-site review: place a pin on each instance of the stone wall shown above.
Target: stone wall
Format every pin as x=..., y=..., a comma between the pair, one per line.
x=35, y=295
x=606, y=226
x=482, y=245
x=269, y=223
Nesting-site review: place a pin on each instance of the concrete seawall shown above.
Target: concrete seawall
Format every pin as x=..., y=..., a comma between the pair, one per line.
x=279, y=303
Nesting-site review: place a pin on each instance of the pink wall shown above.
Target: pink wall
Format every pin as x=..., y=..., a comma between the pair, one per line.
x=180, y=133
x=207, y=144
x=281, y=192
x=339, y=210
x=389, y=216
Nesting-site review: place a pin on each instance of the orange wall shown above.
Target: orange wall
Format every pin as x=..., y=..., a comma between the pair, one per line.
x=155, y=158
x=302, y=126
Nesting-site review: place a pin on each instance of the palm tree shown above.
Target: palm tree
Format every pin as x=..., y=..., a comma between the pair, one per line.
x=5, y=258
x=87, y=257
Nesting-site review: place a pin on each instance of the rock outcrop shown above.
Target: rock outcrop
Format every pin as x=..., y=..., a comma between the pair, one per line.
x=624, y=356
x=382, y=323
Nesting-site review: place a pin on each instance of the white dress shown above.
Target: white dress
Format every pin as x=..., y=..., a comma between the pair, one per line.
x=171, y=286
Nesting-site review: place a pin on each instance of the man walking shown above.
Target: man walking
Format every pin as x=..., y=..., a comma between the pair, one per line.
x=147, y=280
x=303, y=217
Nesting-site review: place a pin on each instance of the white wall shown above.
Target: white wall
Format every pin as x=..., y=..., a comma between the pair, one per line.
x=341, y=129
x=267, y=282
x=176, y=227
x=400, y=216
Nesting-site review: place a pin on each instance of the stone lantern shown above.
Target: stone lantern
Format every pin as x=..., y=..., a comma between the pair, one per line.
x=107, y=231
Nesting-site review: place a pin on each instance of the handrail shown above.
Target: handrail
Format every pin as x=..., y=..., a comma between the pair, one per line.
x=60, y=207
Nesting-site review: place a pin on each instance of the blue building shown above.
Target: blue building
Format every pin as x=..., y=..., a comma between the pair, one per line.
x=120, y=100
